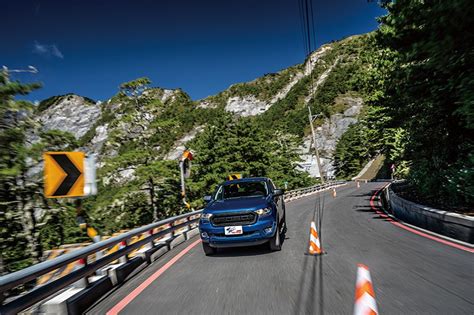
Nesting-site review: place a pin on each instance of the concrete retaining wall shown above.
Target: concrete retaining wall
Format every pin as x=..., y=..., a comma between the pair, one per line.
x=451, y=224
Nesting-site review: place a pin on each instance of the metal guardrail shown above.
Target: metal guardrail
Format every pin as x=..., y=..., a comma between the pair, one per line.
x=40, y=293
x=297, y=193
x=23, y=276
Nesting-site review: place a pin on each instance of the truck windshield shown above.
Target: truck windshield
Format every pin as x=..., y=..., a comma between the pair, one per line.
x=242, y=189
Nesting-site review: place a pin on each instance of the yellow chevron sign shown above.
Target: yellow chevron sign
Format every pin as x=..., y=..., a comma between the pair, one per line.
x=234, y=176
x=63, y=174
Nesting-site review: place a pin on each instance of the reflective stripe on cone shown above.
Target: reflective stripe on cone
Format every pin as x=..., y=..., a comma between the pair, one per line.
x=364, y=295
x=314, y=244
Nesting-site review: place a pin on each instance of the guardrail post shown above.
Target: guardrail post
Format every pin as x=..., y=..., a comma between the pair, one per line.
x=82, y=283
x=150, y=244
x=123, y=259
x=188, y=226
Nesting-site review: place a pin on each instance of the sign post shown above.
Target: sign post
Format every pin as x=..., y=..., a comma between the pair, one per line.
x=71, y=174
x=185, y=170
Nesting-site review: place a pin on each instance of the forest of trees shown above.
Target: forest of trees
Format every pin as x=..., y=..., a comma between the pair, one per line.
x=421, y=100
x=21, y=195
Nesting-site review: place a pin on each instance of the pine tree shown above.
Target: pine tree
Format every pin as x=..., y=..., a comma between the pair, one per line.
x=242, y=145
x=19, y=244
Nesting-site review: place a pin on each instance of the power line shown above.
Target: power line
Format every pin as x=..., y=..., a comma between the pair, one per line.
x=302, y=26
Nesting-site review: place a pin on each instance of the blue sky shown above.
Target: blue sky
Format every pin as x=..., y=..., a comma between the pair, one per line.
x=90, y=47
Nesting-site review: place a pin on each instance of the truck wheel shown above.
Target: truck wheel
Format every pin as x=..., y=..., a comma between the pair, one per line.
x=208, y=250
x=285, y=228
x=275, y=241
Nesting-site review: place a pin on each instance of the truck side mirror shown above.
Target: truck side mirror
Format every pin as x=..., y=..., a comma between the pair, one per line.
x=278, y=192
x=207, y=198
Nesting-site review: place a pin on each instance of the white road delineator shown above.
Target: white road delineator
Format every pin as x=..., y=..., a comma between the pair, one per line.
x=191, y=233
x=58, y=304
x=112, y=272
x=177, y=240
x=163, y=249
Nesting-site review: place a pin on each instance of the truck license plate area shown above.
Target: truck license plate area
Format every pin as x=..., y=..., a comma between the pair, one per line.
x=233, y=230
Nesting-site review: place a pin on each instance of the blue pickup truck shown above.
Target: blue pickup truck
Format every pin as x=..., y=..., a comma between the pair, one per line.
x=243, y=212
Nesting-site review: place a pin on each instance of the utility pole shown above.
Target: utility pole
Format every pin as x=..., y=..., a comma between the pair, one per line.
x=318, y=161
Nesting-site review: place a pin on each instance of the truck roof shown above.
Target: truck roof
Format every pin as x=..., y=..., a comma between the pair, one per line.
x=246, y=179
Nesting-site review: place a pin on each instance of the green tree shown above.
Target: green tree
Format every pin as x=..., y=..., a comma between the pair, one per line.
x=241, y=145
x=429, y=92
x=18, y=234
x=135, y=88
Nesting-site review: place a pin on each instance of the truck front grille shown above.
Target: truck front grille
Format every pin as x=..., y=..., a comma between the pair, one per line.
x=234, y=219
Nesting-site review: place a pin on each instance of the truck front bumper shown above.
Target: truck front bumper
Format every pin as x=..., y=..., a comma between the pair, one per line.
x=255, y=234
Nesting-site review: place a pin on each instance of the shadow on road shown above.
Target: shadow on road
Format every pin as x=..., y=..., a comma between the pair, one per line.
x=242, y=251
x=368, y=209
x=367, y=194
x=310, y=299
x=363, y=208
x=247, y=251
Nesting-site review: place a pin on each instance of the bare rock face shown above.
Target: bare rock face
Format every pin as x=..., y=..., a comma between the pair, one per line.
x=72, y=114
x=121, y=176
x=206, y=104
x=249, y=105
x=284, y=92
x=327, y=136
x=180, y=145
x=246, y=106
x=96, y=144
x=162, y=94
x=314, y=58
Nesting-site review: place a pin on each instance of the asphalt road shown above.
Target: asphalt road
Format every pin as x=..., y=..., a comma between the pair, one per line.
x=410, y=273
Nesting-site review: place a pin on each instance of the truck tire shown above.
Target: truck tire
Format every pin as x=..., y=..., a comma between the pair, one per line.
x=275, y=241
x=285, y=228
x=208, y=250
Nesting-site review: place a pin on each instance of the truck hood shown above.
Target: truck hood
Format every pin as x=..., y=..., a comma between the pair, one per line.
x=237, y=205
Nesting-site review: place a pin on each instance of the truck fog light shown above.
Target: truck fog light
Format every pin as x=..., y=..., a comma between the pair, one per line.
x=204, y=235
x=268, y=230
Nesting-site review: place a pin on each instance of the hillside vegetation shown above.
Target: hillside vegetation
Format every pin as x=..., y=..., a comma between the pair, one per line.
x=420, y=101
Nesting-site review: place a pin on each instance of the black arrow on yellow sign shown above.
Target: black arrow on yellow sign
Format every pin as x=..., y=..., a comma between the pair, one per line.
x=63, y=174
x=72, y=174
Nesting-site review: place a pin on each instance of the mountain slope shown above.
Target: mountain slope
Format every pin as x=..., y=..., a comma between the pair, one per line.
x=137, y=142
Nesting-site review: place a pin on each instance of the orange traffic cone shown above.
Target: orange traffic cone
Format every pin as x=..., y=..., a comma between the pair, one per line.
x=314, y=244
x=334, y=193
x=364, y=295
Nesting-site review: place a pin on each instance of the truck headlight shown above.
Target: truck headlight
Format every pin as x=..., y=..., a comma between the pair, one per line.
x=263, y=212
x=206, y=216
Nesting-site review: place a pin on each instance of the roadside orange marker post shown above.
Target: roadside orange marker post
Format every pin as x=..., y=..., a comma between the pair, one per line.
x=314, y=244
x=81, y=283
x=234, y=176
x=365, y=303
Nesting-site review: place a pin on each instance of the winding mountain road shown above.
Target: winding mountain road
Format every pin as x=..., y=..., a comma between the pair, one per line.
x=410, y=273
